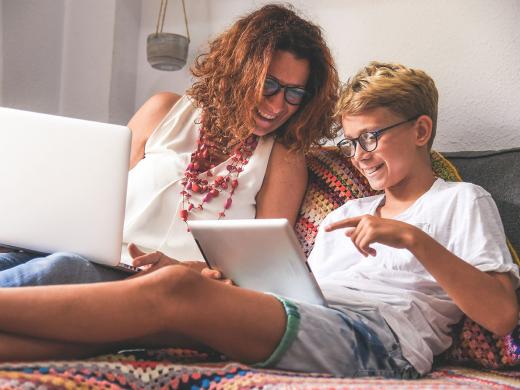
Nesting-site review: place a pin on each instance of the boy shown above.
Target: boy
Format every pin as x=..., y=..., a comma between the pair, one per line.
x=426, y=251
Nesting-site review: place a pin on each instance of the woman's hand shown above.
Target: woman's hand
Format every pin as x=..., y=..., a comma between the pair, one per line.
x=149, y=261
x=216, y=275
x=367, y=229
x=155, y=260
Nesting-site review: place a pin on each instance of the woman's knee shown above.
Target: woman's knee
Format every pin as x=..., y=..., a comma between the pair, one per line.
x=169, y=288
x=176, y=280
x=72, y=268
x=63, y=261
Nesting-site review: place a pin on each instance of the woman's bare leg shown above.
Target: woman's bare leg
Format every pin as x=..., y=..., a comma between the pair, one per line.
x=23, y=348
x=177, y=301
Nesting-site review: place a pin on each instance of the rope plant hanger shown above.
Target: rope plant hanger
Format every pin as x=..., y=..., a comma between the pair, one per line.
x=167, y=51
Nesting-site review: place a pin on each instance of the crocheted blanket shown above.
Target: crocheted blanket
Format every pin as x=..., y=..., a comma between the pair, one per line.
x=183, y=369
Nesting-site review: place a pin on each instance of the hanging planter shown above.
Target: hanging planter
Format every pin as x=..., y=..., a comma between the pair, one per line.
x=167, y=51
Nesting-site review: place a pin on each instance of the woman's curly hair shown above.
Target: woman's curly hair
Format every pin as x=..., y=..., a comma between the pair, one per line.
x=230, y=77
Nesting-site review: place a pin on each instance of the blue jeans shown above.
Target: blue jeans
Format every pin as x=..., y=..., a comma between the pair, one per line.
x=19, y=269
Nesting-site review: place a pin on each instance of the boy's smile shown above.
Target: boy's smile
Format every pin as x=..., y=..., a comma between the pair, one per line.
x=371, y=171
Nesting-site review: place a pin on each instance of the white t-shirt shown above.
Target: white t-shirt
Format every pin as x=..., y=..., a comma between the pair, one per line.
x=460, y=216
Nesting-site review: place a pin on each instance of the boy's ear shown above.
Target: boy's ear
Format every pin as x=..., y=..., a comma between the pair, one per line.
x=423, y=126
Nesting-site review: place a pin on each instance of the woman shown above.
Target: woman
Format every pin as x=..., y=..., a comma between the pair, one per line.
x=233, y=147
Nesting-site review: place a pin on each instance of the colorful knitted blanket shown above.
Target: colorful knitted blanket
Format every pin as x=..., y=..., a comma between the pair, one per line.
x=182, y=369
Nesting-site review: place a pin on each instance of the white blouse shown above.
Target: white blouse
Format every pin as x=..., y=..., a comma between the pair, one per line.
x=154, y=202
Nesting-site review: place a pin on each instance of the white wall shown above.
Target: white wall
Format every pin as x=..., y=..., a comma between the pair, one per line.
x=470, y=47
x=124, y=60
x=86, y=62
x=31, y=52
x=88, y=58
x=98, y=77
x=70, y=57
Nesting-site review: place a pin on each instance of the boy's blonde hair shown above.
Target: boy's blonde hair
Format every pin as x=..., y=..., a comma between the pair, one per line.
x=405, y=91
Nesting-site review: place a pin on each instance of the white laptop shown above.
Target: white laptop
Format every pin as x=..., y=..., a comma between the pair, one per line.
x=63, y=184
x=258, y=254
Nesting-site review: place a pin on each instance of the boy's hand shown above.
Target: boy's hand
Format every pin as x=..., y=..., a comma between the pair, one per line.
x=367, y=229
x=215, y=274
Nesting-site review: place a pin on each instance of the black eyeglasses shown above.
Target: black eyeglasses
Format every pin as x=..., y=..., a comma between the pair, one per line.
x=368, y=140
x=292, y=95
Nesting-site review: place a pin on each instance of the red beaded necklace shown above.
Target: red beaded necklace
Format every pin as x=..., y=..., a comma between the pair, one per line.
x=193, y=183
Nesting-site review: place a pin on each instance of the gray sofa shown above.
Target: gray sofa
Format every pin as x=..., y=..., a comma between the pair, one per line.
x=499, y=173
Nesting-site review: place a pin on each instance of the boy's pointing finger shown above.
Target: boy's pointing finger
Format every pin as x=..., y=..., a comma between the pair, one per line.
x=348, y=222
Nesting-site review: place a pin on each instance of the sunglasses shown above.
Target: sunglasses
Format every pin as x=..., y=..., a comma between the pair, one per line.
x=292, y=95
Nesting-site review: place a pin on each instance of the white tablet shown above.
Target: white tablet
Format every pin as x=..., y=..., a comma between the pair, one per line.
x=258, y=254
